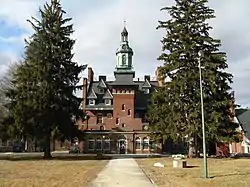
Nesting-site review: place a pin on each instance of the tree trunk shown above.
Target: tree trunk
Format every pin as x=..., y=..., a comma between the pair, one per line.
x=193, y=150
x=47, y=150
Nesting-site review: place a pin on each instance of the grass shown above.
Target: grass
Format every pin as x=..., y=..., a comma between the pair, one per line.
x=49, y=173
x=222, y=173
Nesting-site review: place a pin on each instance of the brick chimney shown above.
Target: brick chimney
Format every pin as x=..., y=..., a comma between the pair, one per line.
x=90, y=75
x=84, y=93
x=159, y=77
x=146, y=77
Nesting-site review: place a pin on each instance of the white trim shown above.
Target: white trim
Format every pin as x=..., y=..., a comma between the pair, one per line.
x=110, y=93
x=125, y=142
x=145, y=140
x=103, y=83
x=92, y=91
x=92, y=102
x=123, y=107
x=91, y=140
x=230, y=148
x=129, y=111
x=99, y=140
x=109, y=103
x=107, y=140
x=138, y=139
x=119, y=121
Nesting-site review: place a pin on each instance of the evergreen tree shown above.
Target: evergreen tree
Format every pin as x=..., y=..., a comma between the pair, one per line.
x=43, y=100
x=177, y=113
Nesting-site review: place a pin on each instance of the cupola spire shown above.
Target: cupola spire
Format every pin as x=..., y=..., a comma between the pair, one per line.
x=124, y=33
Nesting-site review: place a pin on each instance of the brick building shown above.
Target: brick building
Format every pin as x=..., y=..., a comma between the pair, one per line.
x=117, y=110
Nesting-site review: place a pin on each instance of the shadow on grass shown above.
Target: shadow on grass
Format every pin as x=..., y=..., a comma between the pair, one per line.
x=230, y=174
x=62, y=158
x=191, y=166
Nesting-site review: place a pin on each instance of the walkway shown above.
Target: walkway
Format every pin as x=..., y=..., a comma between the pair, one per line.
x=122, y=172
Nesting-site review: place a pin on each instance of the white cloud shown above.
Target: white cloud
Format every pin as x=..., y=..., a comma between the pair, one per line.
x=98, y=26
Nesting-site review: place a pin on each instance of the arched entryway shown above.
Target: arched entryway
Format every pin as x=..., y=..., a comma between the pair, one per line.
x=122, y=144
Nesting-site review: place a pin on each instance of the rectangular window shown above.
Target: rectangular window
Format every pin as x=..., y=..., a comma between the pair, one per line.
x=99, y=118
x=98, y=144
x=106, y=145
x=152, y=145
x=91, y=102
x=107, y=101
x=91, y=145
x=4, y=142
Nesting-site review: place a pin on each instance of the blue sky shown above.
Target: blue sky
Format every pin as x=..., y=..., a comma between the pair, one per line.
x=98, y=24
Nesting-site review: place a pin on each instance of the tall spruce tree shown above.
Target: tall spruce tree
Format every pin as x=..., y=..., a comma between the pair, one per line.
x=43, y=100
x=176, y=107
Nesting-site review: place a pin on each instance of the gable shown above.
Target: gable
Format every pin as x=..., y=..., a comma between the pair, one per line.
x=146, y=84
x=243, y=117
x=92, y=95
x=102, y=84
x=107, y=95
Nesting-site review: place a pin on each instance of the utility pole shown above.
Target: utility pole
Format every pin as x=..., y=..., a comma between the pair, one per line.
x=203, y=120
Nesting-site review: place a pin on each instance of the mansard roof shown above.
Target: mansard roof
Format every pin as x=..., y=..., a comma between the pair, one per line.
x=141, y=99
x=243, y=116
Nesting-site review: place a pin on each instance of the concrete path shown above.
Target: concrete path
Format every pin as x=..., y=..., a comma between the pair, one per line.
x=122, y=172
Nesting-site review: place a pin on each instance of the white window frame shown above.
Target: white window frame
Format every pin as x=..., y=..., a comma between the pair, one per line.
x=138, y=139
x=129, y=111
x=119, y=121
x=91, y=102
x=107, y=140
x=123, y=107
x=99, y=140
x=145, y=140
x=109, y=101
x=91, y=140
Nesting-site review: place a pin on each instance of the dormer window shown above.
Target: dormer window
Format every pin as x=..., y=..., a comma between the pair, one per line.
x=101, y=90
x=91, y=102
x=107, y=101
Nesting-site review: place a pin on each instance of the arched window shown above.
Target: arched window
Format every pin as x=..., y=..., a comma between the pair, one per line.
x=117, y=121
x=129, y=112
x=106, y=145
x=91, y=143
x=145, y=143
x=123, y=106
x=138, y=143
x=123, y=60
x=123, y=125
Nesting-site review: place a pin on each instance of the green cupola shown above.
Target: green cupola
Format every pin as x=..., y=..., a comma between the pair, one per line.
x=124, y=53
